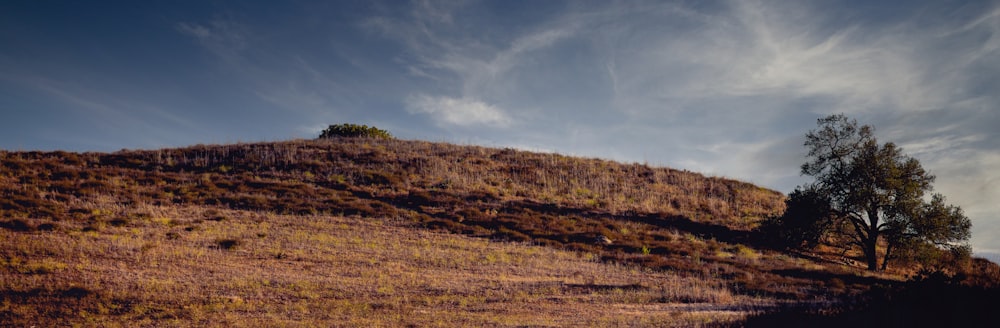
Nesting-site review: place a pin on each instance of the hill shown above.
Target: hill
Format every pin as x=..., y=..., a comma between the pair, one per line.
x=360, y=231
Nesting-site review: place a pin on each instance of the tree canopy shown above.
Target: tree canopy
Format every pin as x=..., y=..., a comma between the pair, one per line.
x=875, y=191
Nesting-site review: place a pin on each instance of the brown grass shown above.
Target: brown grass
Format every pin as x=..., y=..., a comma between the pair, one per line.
x=328, y=271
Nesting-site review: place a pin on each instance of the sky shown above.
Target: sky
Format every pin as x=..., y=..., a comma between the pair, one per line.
x=724, y=88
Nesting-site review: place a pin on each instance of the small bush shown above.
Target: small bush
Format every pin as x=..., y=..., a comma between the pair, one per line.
x=46, y=227
x=93, y=227
x=227, y=243
x=17, y=225
x=354, y=131
x=217, y=218
x=119, y=222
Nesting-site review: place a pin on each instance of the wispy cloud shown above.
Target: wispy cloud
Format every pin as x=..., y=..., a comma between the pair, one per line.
x=458, y=111
x=442, y=48
x=749, y=49
x=225, y=38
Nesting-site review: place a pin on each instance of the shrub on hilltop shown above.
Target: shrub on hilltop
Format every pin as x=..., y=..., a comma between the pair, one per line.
x=354, y=131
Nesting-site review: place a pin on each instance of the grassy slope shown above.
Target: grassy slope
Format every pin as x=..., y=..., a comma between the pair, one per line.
x=197, y=266
x=326, y=231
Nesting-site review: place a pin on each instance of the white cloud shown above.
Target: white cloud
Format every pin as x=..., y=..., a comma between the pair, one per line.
x=458, y=111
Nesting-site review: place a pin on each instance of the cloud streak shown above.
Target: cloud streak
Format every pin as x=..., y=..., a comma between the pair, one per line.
x=225, y=38
x=458, y=111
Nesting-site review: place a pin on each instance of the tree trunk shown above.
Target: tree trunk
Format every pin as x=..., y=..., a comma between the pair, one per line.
x=870, y=255
x=888, y=254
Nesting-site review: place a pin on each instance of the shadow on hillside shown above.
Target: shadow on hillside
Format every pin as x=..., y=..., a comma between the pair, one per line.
x=678, y=222
x=846, y=278
x=700, y=229
x=469, y=208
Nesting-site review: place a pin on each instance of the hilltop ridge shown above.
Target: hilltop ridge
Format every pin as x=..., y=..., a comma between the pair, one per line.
x=395, y=171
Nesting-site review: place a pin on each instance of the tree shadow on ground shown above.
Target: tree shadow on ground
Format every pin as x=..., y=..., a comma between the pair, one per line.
x=911, y=304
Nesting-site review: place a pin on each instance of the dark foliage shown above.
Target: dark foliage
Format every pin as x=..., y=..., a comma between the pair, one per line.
x=807, y=218
x=354, y=131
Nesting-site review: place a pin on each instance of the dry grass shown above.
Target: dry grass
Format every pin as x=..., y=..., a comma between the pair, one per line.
x=167, y=268
x=351, y=232
x=116, y=240
x=393, y=167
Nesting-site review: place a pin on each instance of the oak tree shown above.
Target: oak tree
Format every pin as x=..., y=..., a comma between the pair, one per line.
x=877, y=192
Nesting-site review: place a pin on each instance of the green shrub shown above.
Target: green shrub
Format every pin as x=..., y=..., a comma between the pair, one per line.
x=354, y=131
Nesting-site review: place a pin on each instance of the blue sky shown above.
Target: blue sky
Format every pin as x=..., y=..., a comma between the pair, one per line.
x=727, y=88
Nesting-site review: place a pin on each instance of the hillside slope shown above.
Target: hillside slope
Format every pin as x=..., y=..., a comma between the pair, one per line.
x=197, y=266
x=463, y=188
x=101, y=236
